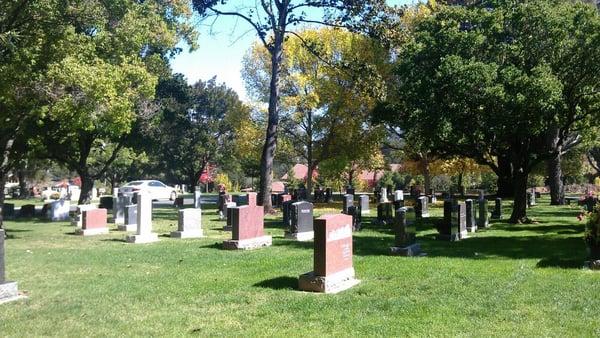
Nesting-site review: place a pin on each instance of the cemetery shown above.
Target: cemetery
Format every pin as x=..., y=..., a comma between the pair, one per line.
x=371, y=168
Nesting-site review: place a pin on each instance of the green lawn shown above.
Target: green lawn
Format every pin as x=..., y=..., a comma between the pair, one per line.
x=508, y=280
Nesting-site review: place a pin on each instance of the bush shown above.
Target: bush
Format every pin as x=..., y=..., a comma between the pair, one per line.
x=223, y=179
x=441, y=183
x=535, y=181
x=592, y=233
x=489, y=182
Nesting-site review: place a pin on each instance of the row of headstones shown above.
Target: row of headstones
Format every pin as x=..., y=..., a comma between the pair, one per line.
x=462, y=218
x=130, y=216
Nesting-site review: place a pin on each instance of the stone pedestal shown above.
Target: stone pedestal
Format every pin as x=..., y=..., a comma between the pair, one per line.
x=334, y=283
x=247, y=223
x=94, y=222
x=189, y=224
x=333, y=271
x=248, y=244
x=144, y=232
x=130, y=219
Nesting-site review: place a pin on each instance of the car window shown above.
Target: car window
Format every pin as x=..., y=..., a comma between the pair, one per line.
x=135, y=183
x=155, y=184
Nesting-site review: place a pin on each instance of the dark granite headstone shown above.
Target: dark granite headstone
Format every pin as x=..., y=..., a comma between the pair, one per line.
x=286, y=208
x=384, y=213
x=470, y=215
x=363, y=204
x=178, y=202
x=356, y=218
x=106, y=202
x=27, y=210
x=328, y=195
x=347, y=202
x=350, y=191
x=302, y=217
x=8, y=210
x=130, y=215
x=421, y=208
x=497, y=213
x=240, y=200
x=483, y=221
x=405, y=234
x=459, y=222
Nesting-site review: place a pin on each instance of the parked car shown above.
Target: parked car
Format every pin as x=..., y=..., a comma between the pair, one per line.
x=157, y=189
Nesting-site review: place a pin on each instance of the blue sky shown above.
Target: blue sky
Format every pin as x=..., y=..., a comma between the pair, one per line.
x=222, y=46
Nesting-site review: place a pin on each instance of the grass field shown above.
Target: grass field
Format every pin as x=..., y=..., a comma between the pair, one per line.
x=508, y=280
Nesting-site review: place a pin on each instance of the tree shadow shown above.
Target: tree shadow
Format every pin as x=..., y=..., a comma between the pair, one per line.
x=561, y=229
x=295, y=244
x=558, y=252
x=279, y=283
x=216, y=245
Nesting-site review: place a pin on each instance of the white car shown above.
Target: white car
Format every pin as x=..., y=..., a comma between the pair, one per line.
x=157, y=189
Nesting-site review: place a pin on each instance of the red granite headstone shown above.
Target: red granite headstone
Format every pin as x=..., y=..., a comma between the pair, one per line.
x=93, y=222
x=248, y=226
x=333, y=270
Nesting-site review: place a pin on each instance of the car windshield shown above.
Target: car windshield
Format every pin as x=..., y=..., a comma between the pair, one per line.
x=135, y=183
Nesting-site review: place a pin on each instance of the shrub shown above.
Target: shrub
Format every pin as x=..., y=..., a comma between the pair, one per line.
x=223, y=179
x=592, y=232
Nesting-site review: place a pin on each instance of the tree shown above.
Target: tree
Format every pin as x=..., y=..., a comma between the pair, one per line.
x=196, y=126
x=489, y=83
x=324, y=105
x=108, y=59
x=272, y=20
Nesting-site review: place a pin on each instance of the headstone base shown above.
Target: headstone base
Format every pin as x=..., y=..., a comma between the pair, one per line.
x=300, y=236
x=248, y=244
x=127, y=227
x=187, y=234
x=409, y=251
x=472, y=229
x=228, y=228
x=92, y=232
x=365, y=212
x=426, y=215
x=9, y=292
x=452, y=237
x=335, y=283
x=140, y=239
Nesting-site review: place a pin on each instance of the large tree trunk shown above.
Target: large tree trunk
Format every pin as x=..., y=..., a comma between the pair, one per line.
x=519, y=212
x=505, y=177
x=554, y=172
x=268, y=153
x=426, y=173
x=309, y=157
x=87, y=184
x=23, y=192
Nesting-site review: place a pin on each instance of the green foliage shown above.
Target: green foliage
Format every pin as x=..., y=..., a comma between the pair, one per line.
x=489, y=182
x=486, y=82
x=195, y=127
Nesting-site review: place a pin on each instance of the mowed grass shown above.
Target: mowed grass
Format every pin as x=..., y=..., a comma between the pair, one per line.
x=508, y=280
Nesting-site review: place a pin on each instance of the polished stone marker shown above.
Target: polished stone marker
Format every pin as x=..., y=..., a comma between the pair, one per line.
x=470, y=215
x=347, y=202
x=333, y=269
x=405, y=239
x=189, y=224
x=363, y=204
x=301, y=225
x=497, y=212
x=93, y=222
x=248, y=227
x=421, y=208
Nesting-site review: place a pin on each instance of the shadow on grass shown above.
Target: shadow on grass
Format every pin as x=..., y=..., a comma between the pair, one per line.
x=215, y=245
x=552, y=251
x=121, y=240
x=279, y=283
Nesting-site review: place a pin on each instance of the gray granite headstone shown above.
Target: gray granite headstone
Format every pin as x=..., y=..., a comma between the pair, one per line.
x=421, y=208
x=8, y=210
x=356, y=217
x=364, y=204
x=197, y=196
x=286, y=209
x=459, y=222
x=347, y=202
x=470, y=215
x=383, y=197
